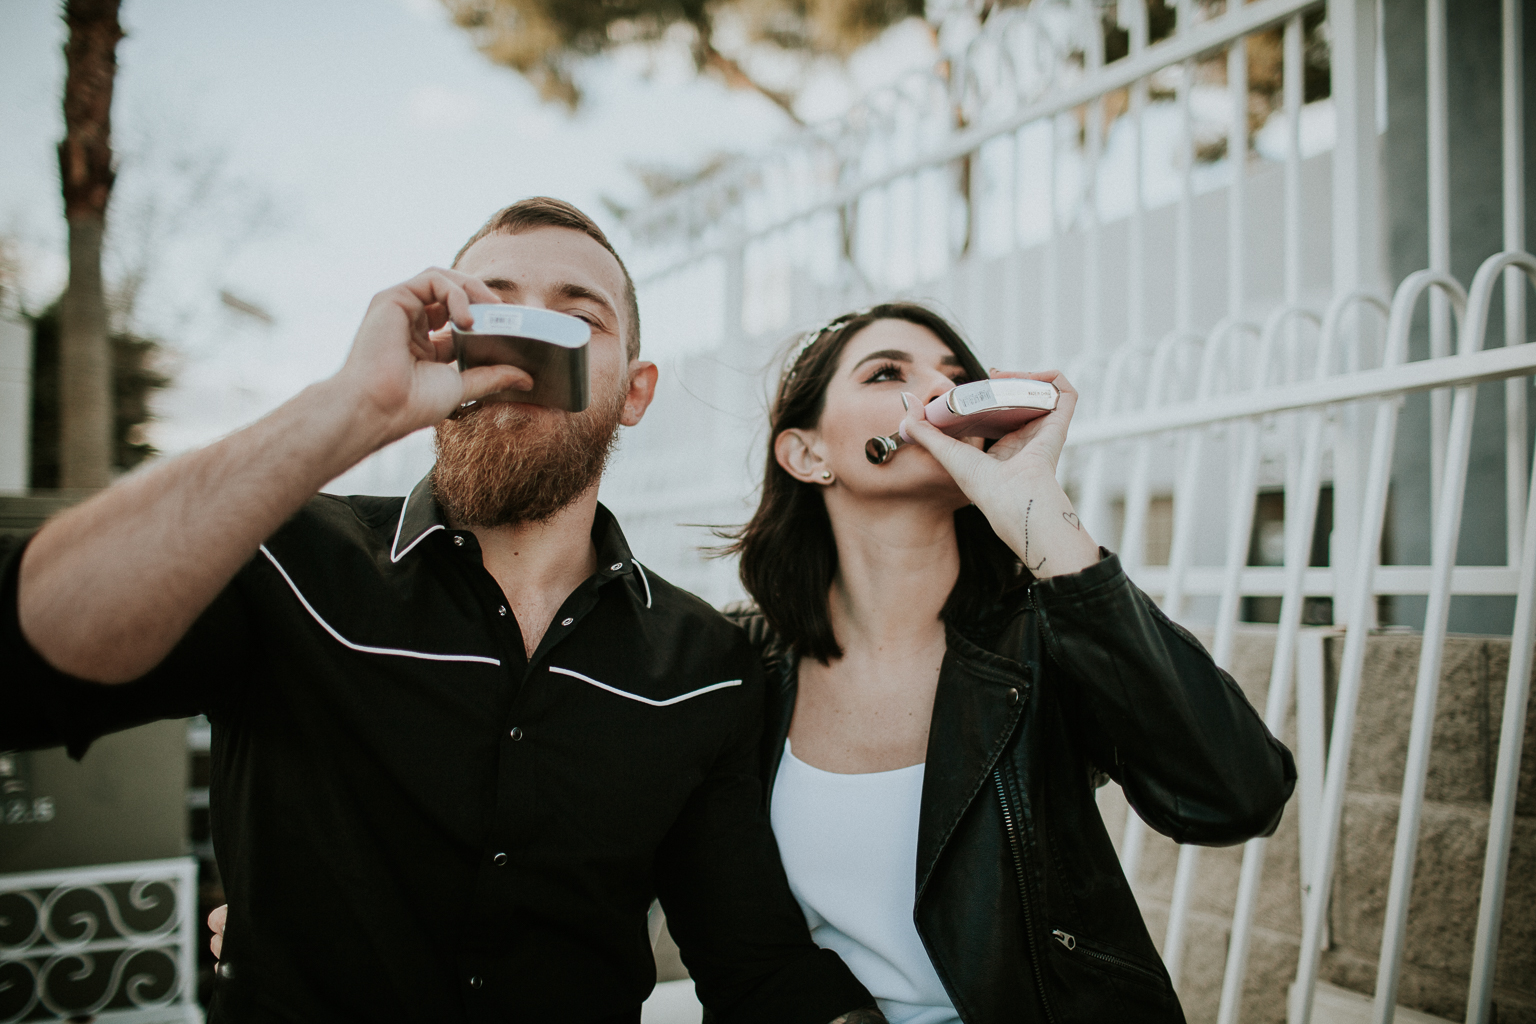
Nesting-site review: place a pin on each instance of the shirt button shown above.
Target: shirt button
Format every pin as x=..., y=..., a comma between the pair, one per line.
x=458, y=542
x=516, y=733
x=616, y=566
x=500, y=860
x=566, y=622
x=1013, y=696
x=502, y=610
x=475, y=981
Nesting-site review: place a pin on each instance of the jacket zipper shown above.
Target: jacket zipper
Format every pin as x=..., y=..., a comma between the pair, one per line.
x=1069, y=940
x=1018, y=867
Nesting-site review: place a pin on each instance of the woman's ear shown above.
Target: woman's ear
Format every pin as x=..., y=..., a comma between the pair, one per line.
x=798, y=452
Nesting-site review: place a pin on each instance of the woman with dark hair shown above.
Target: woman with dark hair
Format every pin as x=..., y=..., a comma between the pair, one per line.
x=954, y=665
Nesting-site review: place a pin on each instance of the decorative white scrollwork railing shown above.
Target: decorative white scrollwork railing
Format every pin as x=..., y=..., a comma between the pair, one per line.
x=115, y=943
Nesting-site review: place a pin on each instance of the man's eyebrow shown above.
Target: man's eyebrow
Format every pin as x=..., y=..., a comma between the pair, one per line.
x=565, y=289
x=571, y=290
x=897, y=355
x=500, y=284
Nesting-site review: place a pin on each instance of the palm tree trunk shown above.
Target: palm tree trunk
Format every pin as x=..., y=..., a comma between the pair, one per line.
x=86, y=176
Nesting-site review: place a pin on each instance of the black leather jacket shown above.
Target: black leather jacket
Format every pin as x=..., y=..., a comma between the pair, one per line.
x=1021, y=902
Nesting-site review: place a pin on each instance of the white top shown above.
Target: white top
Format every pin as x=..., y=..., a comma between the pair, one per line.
x=849, y=845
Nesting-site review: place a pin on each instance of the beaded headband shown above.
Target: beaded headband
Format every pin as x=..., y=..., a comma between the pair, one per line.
x=811, y=337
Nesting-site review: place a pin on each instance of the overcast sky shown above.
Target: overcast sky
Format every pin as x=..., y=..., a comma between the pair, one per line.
x=379, y=135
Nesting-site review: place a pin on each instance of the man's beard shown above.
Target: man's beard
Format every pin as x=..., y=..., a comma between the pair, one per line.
x=495, y=468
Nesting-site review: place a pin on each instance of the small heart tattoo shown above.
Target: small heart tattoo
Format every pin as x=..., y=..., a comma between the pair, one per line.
x=1071, y=517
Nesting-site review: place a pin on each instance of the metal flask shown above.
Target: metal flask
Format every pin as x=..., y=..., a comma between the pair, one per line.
x=982, y=408
x=551, y=346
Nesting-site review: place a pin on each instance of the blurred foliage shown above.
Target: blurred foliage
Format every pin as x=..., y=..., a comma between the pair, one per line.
x=544, y=40
x=134, y=382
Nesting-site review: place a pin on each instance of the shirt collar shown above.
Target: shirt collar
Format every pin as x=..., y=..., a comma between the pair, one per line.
x=421, y=515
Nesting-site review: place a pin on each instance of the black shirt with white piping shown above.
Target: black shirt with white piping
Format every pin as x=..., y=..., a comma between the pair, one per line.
x=415, y=820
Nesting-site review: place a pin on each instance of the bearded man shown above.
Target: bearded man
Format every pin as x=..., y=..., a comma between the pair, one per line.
x=460, y=740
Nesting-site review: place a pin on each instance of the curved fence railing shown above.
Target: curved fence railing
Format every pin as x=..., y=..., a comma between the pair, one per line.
x=1303, y=410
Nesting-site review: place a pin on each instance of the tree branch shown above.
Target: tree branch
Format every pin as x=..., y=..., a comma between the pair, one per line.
x=736, y=77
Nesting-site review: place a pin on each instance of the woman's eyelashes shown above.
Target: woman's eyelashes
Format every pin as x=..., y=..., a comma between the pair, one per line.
x=893, y=372
x=885, y=372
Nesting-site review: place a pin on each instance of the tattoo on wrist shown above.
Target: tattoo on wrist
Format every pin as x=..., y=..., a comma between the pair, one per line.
x=1037, y=565
x=867, y=1015
x=1071, y=517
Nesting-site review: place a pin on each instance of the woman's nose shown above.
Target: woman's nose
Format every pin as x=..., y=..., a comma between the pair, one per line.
x=936, y=384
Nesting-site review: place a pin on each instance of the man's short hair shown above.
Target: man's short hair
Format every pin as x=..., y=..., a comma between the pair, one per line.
x=545, y=212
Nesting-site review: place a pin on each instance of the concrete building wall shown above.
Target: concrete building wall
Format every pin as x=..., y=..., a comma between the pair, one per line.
x=1476, y=217
x=126, y=800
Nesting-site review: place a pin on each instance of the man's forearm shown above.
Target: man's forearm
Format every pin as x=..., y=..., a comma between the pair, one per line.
x=109, y=587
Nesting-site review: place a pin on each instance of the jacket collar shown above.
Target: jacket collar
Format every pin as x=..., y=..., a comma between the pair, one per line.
x=980, y=698
x=421, y=515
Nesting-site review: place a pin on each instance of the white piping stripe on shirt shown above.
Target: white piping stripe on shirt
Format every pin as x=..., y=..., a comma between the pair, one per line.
x=644, y=579
x=395, y=556
x=645, y=700
x=360, y=647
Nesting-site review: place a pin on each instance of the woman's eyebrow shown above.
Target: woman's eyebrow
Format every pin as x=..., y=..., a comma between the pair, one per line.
x=897, y=355
x=894, y=354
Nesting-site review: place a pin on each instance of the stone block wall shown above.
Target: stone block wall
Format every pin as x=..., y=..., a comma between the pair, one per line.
x=1448, y=874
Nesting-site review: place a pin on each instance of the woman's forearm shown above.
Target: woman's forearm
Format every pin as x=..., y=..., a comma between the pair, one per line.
x=1192, y=754
x=1037, y=521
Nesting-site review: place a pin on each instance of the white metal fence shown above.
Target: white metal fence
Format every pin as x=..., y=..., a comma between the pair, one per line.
x=1214, y=364
x=111, y=943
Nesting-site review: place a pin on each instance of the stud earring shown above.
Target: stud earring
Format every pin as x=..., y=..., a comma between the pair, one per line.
x=826, y=474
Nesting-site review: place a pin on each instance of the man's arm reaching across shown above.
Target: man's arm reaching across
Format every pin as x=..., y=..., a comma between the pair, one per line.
x=107, y=589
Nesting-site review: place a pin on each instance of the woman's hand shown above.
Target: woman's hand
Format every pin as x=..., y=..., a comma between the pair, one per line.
x=1014, y=484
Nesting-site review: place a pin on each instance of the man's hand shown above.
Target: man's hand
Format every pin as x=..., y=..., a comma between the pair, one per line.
x=108, y=588
x=401, y=363
x=216, y=921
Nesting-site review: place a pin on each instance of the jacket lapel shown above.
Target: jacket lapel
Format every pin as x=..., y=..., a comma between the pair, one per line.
x=980, y=698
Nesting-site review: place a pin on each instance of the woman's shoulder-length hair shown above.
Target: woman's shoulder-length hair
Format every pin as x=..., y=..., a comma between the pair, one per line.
x=787, y=551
